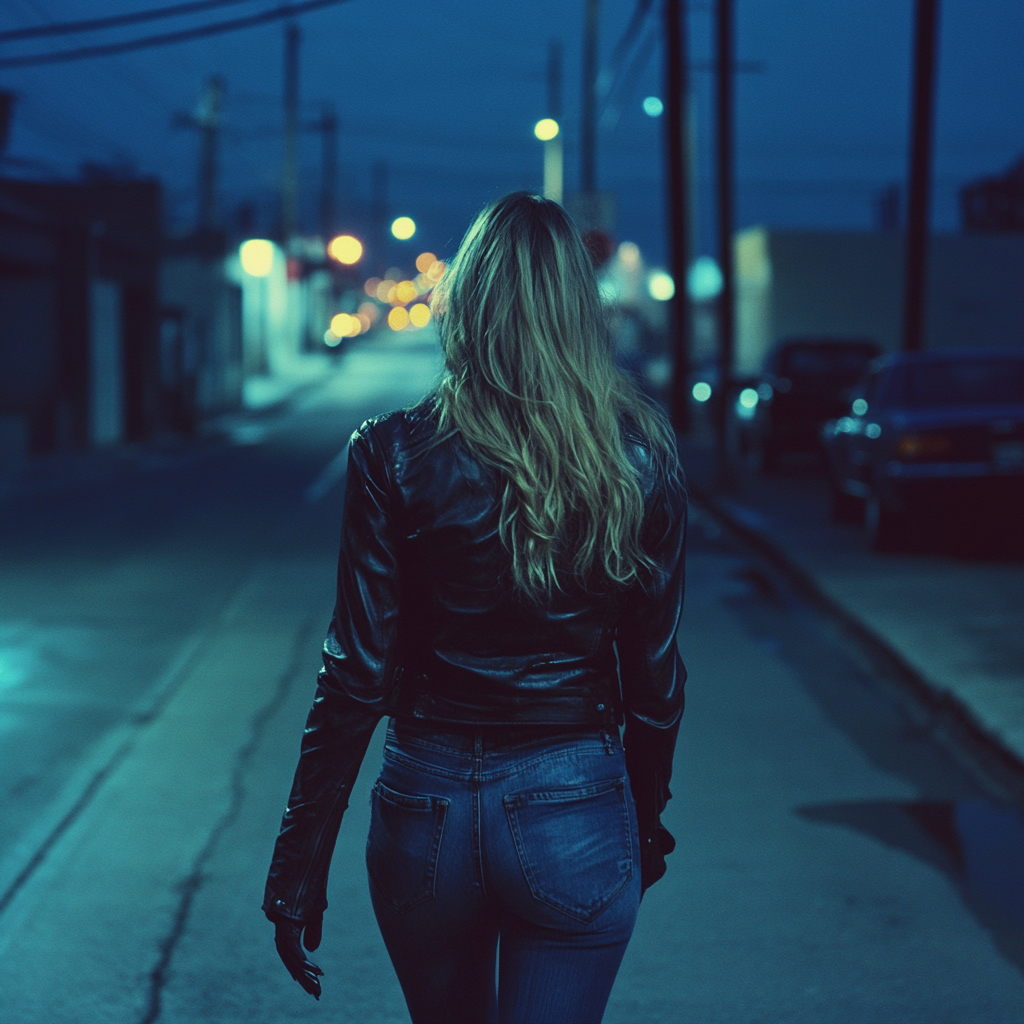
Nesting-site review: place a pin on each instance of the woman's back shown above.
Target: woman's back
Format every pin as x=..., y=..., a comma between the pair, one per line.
x=468, y=645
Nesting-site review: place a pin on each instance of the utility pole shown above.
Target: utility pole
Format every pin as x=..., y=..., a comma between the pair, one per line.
x=328, y=128
x=677, y=109
x=588, y=120
x=208, y=122
x=290, y=162
x=554, y=165
x=726, y=311
x=926, y=30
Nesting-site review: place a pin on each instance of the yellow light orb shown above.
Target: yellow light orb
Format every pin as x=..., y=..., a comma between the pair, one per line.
x=342, y=325
x=257, y=256
x=425, y=261
x=436, y=271
x=384, y=289
x=405, y=292
x=346, y=249
x=419, y=315
x=546, y=129
x=398, y=318
x=403, y=228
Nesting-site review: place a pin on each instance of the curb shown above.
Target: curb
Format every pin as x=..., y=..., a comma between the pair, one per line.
x=943, y=715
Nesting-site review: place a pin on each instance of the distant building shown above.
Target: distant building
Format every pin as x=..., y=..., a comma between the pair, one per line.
x=79, y=313
x=995, y=204
x=850, y=284
x=200, y=331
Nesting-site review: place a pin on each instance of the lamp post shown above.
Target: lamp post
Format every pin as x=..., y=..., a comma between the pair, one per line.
x=548, y=131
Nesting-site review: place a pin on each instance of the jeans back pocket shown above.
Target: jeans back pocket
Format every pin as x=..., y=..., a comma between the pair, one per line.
x=403, y=844
x=575, y=845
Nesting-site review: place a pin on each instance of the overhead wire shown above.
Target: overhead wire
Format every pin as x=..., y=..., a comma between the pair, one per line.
x=167, y=38
x=115, y=20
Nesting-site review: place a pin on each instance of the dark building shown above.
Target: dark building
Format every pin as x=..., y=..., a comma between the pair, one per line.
x=995, y=204
x=79, y=313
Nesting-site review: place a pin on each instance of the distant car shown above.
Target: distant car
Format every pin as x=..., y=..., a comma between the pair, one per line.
x=805, y=382
x=927, y=434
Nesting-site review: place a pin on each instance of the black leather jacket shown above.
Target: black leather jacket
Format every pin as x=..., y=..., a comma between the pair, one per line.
x=427, y=626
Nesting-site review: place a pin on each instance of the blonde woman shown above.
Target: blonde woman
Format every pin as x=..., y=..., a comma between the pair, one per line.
x=509, y=589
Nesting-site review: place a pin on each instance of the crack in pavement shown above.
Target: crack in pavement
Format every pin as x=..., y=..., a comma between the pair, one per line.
x=193, y=882
x=187, y=658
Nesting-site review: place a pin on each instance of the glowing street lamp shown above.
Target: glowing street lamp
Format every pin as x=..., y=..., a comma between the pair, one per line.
x=256, y=256
x=346, y=249
x=403, y=228
x=548, y=131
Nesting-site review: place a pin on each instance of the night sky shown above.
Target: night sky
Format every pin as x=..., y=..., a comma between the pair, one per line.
x=447, y=93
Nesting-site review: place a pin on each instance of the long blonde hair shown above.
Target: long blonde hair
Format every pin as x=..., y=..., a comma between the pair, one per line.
x=532, y=387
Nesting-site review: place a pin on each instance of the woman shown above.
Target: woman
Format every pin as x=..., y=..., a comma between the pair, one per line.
x=509, y=588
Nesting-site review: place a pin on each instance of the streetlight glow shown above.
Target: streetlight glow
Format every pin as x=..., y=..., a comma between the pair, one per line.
x=660, y=286
x=346, y=249
x=546, y=129
x=257, y=256
x=403, y=228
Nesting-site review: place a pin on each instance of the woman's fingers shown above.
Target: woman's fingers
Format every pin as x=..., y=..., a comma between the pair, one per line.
x=289, y=949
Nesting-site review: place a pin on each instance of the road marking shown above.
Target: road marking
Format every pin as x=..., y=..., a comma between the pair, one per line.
x=33, y=848
x=331, y=474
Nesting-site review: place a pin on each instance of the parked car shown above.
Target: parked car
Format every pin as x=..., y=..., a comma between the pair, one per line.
x=804, y=383
x=927, y=434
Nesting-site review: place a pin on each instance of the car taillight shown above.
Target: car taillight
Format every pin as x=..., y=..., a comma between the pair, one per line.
x=923, y=446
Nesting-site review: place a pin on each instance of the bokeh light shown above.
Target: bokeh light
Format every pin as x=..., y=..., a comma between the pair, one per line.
x=425, y=261
x=653, y=107
x=403, y=228
x=384, y=289
x=331, y=339
x=704, y=280
x=660, y=286
x=371, y=287
x=546, y=129
x=419, y=315
x=369, y=310
x=405, y=292
x=345, y=325
x=436, y=271
x=701, y=391
x=346, y=249
x=629, y=253
x=398, y=318
x=257, y=256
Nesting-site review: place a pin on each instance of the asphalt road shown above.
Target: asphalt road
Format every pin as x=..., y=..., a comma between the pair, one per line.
x=161, y=616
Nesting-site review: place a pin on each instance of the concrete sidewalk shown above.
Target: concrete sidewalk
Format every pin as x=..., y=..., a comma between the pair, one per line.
x=954, y=623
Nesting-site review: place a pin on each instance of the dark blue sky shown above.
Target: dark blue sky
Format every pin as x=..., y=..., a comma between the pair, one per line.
x=448, y=92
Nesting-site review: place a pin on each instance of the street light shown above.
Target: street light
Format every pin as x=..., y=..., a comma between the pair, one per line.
x=346, y=249
x=403, y=228
x=256, y=256
x=547, y=130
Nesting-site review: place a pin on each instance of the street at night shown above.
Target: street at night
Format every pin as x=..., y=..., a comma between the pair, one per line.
x=164, y=612
x=774, y=700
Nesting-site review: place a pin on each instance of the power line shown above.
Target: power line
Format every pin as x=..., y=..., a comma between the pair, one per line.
x=62, y=28
x=166, y=38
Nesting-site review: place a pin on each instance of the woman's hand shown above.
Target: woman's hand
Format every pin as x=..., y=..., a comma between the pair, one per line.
x=289, y=937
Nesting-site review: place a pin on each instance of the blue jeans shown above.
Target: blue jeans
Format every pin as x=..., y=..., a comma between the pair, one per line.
x=523, y=836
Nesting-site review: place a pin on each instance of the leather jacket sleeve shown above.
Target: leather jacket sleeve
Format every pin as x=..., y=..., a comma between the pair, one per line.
x=353, y=689
x=652, y=674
